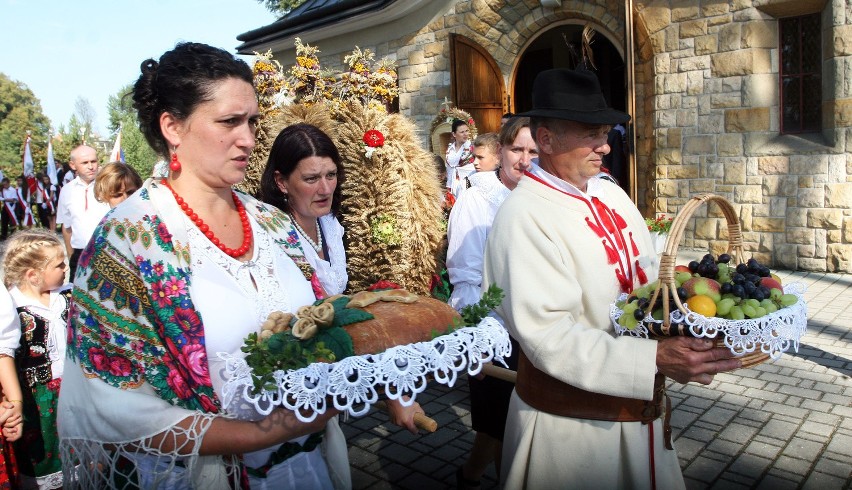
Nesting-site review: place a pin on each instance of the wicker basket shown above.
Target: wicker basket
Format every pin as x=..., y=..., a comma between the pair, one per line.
x=779, y=329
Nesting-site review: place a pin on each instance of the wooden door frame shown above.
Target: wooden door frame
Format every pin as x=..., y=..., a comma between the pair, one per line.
x=624, y=49
x=454, y=38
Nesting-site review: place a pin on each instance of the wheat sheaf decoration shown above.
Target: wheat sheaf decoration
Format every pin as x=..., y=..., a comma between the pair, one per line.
x=391, y=196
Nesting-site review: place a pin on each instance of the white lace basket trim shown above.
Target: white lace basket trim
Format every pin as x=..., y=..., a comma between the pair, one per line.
x=353, y=384
x=773, y=333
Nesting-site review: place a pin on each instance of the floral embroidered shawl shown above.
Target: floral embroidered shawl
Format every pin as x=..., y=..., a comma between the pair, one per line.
x=132, y=319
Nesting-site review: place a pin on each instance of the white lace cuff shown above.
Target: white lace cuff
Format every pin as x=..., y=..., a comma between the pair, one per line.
x=354, y=383
x=773, y=334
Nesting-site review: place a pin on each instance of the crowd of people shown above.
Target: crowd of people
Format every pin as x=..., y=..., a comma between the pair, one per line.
x=184, y=267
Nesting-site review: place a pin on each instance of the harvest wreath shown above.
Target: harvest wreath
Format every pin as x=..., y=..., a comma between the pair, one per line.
x=348, y=349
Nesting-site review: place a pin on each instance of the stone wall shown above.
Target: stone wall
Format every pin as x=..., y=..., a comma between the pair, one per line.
x=708, y=73
x=706, y=109
x=502, y=27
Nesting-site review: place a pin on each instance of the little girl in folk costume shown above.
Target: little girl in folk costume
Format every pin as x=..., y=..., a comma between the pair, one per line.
x=34, y=263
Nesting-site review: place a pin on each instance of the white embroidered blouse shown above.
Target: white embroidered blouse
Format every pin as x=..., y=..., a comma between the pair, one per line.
x=470, y=222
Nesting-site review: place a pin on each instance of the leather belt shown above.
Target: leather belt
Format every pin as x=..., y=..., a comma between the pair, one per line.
x=547, y=394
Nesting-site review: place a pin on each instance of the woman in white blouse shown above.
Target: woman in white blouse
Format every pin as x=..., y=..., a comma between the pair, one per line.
x=468, y=228
x=184, y=269
x=302, y=178
x=459, y=158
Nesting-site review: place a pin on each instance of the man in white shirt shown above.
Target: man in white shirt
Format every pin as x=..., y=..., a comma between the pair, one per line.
x=78, y=211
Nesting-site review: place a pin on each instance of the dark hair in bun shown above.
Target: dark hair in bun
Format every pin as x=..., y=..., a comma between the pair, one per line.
x=457, y=123
x=183, y=78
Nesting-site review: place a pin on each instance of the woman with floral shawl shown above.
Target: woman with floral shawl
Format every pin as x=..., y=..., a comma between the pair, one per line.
x=182, y=270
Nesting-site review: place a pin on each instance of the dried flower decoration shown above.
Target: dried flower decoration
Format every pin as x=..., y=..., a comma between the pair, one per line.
x=373, y=139
x=384, y=230
x=370, y=83
x=269, y=82
x=308, y=82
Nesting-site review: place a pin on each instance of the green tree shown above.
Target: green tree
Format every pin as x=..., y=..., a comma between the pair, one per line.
x=281, y=7
x=20, y=111
x=137, y=152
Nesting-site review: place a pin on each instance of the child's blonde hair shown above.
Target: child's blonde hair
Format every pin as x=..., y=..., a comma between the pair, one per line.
x=29, y=249
x=487, y=140
x=114, y=179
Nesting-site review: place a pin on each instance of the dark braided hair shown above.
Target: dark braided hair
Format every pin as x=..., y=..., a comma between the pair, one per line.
x=183, y=78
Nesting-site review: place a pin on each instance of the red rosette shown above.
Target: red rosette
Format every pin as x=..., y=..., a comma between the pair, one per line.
x=374, y=138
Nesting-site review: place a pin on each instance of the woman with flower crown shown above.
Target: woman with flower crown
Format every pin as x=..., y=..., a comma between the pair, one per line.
x=182, y=270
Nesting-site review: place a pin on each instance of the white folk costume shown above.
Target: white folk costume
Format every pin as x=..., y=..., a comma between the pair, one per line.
x=468, y=228
x=332, y=272
x=562, y=256
x=154, y=303
x=470, y=222
x=459, y=166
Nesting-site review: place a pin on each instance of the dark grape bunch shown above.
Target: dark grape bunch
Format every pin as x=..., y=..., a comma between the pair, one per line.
x=714, y=287
x=638, y=305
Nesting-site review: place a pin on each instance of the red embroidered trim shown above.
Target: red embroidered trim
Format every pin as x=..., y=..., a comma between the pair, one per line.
x=608, y=225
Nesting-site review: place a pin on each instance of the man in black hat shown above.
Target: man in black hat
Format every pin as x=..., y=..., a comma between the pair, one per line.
x=587, y=406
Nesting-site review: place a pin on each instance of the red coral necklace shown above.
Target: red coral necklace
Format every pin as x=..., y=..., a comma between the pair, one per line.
x=241, y=210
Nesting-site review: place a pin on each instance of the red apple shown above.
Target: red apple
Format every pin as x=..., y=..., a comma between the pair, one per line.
x=682, y=268
x=771, y=283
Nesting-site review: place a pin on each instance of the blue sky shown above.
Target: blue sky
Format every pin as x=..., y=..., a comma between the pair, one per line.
x=62, y=49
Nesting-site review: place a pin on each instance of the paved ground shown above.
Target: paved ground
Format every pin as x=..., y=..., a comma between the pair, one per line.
x=782, y=424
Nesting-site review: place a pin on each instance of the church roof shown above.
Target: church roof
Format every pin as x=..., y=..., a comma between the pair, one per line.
x=310, y=15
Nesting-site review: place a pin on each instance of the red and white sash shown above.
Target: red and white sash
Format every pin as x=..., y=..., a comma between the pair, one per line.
x=9, y=209
x=28, y=213
x=46, y=197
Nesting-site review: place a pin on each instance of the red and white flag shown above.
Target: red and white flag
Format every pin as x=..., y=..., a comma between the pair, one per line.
x=117, y=154
x=28, y=166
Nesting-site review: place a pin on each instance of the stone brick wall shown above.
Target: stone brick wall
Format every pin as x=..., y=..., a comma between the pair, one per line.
x=708, y=73
x=502, y=27
x=707, y=110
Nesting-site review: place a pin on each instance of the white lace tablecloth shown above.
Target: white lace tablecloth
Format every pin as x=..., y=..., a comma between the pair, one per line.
x=773, y=333
x=353, y=384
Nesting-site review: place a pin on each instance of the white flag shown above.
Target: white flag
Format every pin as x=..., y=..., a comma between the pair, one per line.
x=51, y=163
x=28, y=159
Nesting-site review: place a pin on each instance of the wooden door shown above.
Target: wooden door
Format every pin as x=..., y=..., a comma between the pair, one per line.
x=477, y=84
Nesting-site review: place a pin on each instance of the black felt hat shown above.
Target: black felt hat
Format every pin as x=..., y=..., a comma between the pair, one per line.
x=574, y=95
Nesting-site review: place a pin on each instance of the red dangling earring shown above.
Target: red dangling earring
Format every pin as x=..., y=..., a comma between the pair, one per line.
x=174, y=165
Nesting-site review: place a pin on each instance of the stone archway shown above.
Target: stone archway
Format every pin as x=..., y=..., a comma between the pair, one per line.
x=555, y=47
